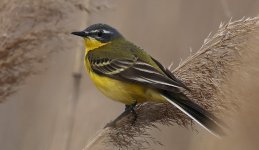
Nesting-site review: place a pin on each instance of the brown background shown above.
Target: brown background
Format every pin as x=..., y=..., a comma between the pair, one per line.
x=39, y=115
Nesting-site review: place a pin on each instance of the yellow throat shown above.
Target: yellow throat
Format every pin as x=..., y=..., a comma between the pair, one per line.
x=91, y=44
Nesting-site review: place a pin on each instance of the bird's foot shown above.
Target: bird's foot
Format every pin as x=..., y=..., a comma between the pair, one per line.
x=131, y=108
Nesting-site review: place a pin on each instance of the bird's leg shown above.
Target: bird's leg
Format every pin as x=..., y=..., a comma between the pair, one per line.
x=128, y=109
x=132, y=109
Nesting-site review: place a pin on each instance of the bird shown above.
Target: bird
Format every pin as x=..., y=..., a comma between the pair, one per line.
x=126, y=73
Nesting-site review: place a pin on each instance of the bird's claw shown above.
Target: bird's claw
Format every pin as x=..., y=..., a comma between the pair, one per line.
x=131, y=108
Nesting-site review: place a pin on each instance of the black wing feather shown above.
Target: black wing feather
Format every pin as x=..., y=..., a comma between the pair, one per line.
x=170, y=75
x=134, y=70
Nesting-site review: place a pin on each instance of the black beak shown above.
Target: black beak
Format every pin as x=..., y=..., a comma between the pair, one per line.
x=81, y=33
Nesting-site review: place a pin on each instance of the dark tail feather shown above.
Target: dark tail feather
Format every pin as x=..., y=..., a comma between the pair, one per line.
x=196, y=112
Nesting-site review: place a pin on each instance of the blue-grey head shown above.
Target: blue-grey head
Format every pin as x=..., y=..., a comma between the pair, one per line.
x=100, y=32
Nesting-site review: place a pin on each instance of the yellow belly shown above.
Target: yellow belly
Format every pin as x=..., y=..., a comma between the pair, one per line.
x=127, y=93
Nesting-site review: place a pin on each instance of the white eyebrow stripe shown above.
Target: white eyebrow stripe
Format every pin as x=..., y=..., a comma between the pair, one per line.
x=94, y=31
x=106, y=31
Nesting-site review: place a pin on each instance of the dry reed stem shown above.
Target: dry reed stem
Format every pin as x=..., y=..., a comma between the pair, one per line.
x=29, y=32
x=204, y=73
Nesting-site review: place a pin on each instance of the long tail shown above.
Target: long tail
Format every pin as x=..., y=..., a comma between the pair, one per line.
x=196, y=112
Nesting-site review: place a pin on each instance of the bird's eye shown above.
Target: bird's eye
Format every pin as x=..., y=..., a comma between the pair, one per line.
x=100, y=33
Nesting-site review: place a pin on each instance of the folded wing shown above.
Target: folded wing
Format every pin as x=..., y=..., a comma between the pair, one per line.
x=134, y=70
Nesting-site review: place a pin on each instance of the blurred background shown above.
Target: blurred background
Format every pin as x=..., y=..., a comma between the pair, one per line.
x=58, y=110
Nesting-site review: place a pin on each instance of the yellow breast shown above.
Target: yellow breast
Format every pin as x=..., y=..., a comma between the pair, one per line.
x=122, y=91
